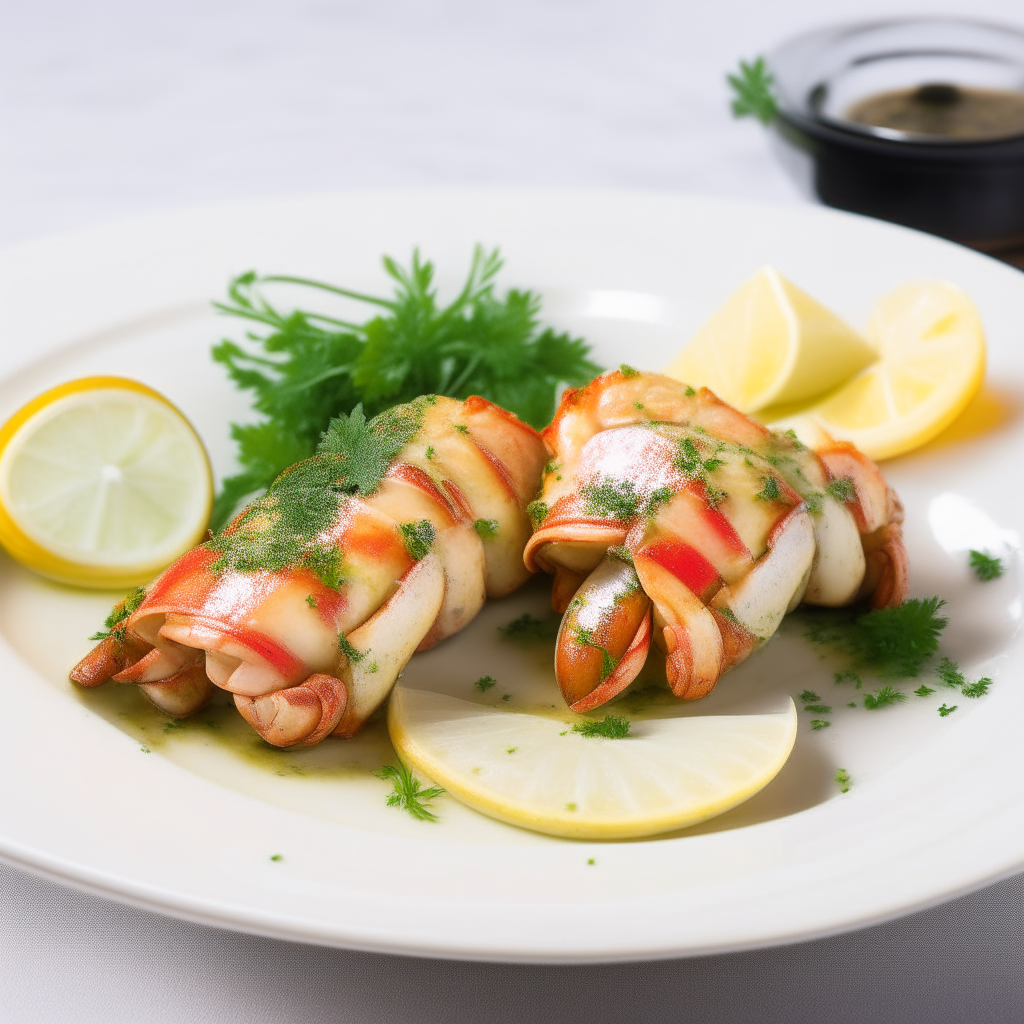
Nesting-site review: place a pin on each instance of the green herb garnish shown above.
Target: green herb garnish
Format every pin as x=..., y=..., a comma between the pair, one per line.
x=949, y=673
x=842, y=489
x=843, y=780
x=818, y=709
x=819, y=723
x=893, y=642
x=883, y=696
x=753, y=88
x=978, y=689
x=769, y=489
x=985, y=566
x=408, y=795
x=628, y=371
x=119, y=613
x=486, y=528
x=484, y=683
x=537, y=511
x=611, y=727
x=944, y=710
x=530, y=629
x=303, y=367
x=808, y=697
x=418, y=538
x=346, y=647
x=923, y=691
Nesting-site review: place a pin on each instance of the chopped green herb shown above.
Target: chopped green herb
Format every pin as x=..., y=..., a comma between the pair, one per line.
x=511, y=750
x=883, y=696
x=985, y=566
x=628, y=371
x=145, y=750
x=486, y=528
x=570, y=807
x=978, y=689
x=484, y=683
x=611, y=727
x=943, y=711
x=754, y=93
x=373, y=667
x=530, y=629
x=537, y=511
x=949, y=673
x=565, y=733
x=121, y=611
x=727, y=613
x=506, y=696
x=460, y=427
x=345, y=646
x=408, y=794
x=894, y=642
x=808, y=697
x=818, y=709
x=923, y=691
x=848, y=677
x=550, y=467
x=276, y=857
x=769, y=489
x=430, y=452
x=418, y=537
x=639, y=406
x=689, y=392
x=842, y=489
x=852, y=704
x=311, y=600
x=815, y=502
x=660, y=496
x=303, y=367
x=843, y=780
x=798, y=445
x=590, y=860
x=622, y=553
x=610, y=498
x=818, y=723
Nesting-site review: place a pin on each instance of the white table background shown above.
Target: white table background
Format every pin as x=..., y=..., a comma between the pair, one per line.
x=109, y=110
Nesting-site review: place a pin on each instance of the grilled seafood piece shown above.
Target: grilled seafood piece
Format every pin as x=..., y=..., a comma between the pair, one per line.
x=666, y=514
x=311, y=602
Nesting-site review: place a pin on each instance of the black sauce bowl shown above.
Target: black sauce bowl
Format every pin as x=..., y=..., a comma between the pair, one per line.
x=969, y=191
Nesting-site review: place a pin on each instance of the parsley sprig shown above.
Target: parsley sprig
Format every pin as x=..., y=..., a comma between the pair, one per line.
x=304, y=366
x=753, y=86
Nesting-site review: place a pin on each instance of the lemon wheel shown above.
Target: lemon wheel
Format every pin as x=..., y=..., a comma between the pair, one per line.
x=533, y=770
x=102, y=483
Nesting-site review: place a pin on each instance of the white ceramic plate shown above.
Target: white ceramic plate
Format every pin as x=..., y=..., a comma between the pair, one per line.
x=98, y=793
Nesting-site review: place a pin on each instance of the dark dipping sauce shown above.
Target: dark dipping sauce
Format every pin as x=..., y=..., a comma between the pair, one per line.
x=949, y=111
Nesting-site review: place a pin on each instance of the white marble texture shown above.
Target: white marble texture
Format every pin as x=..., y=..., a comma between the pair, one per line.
x=113, y=109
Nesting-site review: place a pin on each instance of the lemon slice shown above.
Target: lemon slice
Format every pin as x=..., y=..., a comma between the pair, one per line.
x=102, y=483
x=771, y=343
x=533, y=770
x=932, y=363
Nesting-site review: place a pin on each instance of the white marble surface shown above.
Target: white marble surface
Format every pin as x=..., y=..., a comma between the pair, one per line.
x=109, y=110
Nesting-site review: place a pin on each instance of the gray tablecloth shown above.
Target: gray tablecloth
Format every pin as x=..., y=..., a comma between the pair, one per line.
x=111, y=109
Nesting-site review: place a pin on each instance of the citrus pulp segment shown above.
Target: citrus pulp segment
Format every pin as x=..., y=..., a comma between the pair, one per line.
x=533, y=770
x=102, y=483
x=932, y=363
x=771, y=343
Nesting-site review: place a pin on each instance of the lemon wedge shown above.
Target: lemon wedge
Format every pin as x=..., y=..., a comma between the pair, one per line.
x=771, y=343
x=103, y=483
x=932, y=363
x=532, y=770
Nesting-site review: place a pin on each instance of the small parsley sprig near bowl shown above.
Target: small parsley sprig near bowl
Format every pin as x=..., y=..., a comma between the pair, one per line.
x=305, y=366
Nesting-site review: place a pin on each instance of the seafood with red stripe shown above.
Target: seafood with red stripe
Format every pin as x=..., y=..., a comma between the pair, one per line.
x=311, y=602
x=668, y=516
